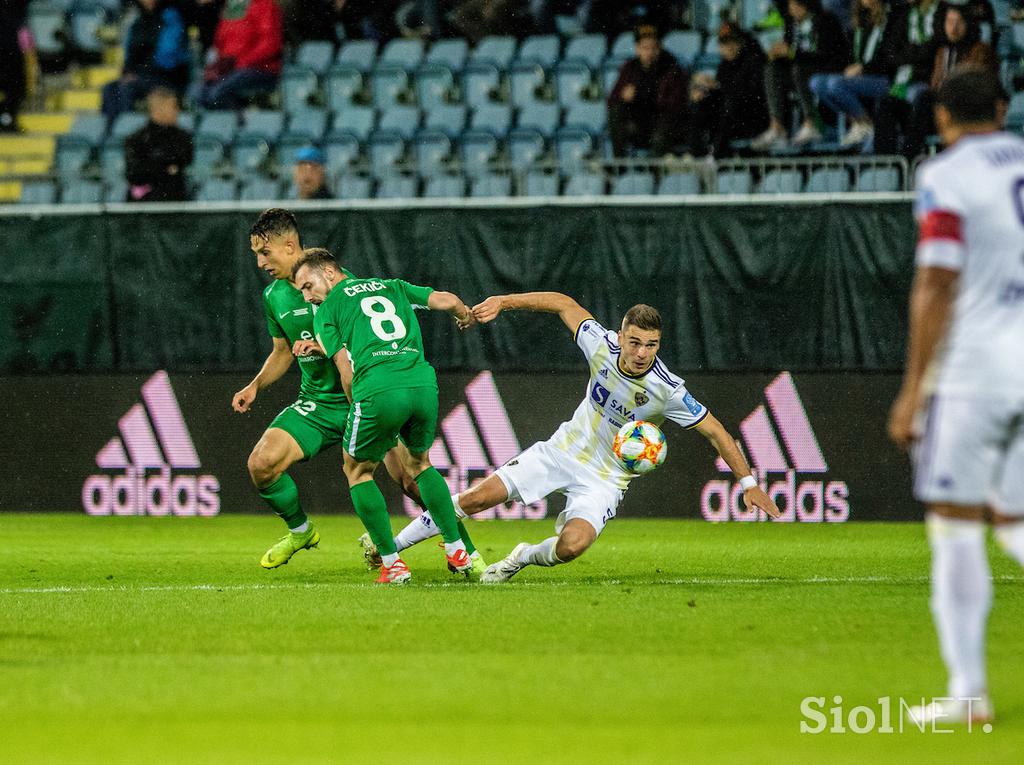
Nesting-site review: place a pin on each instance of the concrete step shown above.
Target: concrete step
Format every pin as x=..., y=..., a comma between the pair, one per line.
x=51, y=124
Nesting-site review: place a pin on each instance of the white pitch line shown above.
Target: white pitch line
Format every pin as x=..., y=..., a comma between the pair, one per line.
x=610, y=582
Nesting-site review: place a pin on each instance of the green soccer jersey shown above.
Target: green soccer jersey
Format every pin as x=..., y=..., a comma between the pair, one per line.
x=374, y=319
x=290, y=317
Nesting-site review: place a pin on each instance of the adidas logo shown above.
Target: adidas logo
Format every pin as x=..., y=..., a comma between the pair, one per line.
x=473, y=441
x=798, y=454
x=153, y=443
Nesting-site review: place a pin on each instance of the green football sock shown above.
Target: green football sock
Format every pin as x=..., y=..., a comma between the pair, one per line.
x=438, y=499
x=372, y=510
x=283, y=497
x=470, y=547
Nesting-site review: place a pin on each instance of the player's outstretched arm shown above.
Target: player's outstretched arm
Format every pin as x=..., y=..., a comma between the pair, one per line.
x=753, y=495
x=569, y=311
x=344, y=364
x=274, y=367
x=451, y=304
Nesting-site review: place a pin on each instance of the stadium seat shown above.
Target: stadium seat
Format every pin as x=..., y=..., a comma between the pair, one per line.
x=115, y=193
x=287, y=146
x=539, y=49
x=89, y=127
x=1018, y=36
x=480, y=82
x=752, y=12
x=590, y=49
x=310, y=122
x=38, y=193
x=679, y=184
x=572, y=78
x=397, y=187
x=406, y=53
x=250, y=155
x=220, y=125
x=355, y=120
x=610, y=74
x=445, y=186
x=781, y=182
x=340, y=152
x=525, y=147
x=526, y=81
x=298, y=87
x=878, y=179
x=218, y=190
x=625, y=46
x=112, y=163
x=449, y=53
x=490, y=185
x=707, y=62
x=448, y=118
x=540, y=184
x=685, y=46
x=81, y=192
x=187, y=121
x=358, y=54
x=72, y=155
x=258, y=123
x=126, y=124
x=388, y=85
x=632, y=183
x=86, y=22
x=585, y=185
x=433, y=83
x=1015, y=114
x=260, y=190
x=403, y=120
x=495, y=50
x=543, y=118
x=733, y=182
x=829, y=181
x=497, y=118
x=209, y=153
x=316, y=55
x=352, y=186
x=386, y=150
x=572, y=146
x=432, y=149
x=342, y=86
x=479, y=150
x=591, y=116
x=49, y=31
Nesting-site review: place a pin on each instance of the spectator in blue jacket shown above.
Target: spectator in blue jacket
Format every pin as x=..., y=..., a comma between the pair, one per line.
x=156, y=54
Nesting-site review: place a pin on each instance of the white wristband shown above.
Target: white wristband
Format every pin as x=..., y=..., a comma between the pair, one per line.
x=748, y=482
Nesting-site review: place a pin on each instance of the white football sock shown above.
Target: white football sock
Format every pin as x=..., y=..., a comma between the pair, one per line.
x=459, y=512
x=302, y=528
x=418, y=529
x=389, y=560
x=541, y=554
x=1011, y=538
x=450, y=548
x=960, y=601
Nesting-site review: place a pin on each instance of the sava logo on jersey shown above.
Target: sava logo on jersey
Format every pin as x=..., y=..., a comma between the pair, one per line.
x=603, y=397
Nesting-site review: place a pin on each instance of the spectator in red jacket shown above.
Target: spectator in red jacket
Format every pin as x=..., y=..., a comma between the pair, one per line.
x=647, y=106
x=247, y=50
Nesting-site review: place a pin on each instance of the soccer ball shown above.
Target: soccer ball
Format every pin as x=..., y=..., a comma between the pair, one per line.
x=640, y=446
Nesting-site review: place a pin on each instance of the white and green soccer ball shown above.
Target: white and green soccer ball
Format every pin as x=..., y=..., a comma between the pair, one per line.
x=640, y=446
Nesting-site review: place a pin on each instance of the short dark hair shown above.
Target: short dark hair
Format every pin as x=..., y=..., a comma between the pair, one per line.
x=316, y=258
x=275, y=222
x=970, y=94
x=642, y=317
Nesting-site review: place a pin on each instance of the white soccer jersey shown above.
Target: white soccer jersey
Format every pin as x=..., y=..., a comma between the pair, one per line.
x=970, y=211
x=614, y=398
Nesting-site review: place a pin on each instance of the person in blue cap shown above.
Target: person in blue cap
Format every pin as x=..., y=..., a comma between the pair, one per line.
x=309, y=177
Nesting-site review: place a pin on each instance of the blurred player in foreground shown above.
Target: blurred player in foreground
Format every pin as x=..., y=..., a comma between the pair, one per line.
x=369, y=329
x=965, y=367
x=627, y=382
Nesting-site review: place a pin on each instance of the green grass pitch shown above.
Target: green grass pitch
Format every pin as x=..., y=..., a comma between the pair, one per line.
x=145, y=640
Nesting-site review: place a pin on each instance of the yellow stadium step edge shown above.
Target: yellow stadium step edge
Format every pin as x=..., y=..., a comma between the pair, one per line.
x=10, y=191
x=52, y=124
x=81, y=100
x=20, y=166
x=95, y=76
x=27, y=146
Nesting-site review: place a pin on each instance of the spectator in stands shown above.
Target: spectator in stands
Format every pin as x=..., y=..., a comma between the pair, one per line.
x=12, y=62
x=156, y=156
x=647, y=106
x=155, y=54
x=732, y=106
x=814, y=43
x=961, y=45
x=247, y=51
x=877, y=38
x=309, y=177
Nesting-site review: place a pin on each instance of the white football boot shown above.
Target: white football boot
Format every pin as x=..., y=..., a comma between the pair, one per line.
x=506, y=568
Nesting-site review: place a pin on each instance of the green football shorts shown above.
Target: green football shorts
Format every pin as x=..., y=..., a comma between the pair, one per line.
x=406, y=413
x=315, y=425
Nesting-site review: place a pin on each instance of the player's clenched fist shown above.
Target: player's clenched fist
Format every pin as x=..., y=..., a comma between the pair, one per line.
x=488, y=310
x=244, y=398
x=307, y=348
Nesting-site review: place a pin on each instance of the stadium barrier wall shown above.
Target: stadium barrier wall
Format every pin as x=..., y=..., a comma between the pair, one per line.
x=169, y=444
x=802, y=282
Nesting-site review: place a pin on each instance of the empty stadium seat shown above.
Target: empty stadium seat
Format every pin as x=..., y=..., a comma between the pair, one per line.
x=878, y=179
x=259, y=123
x=250, y=154
x=260, y=190
x=355, y=120
x=479, y=81
x=449, y=53
x=49, y=31
x=448, y=118
x=72, y=155
x=433, y=83
x=388, y=85
x=497, y=118
x=85, y=25
x=479, y=150
x=588, y=115
x=208, y=154
x=589, y=49
x=286, y=148
x=539, y=184
x=610, y=75
x=386, y=150
x=491, y=185
x=220, y=125
x=341, y=86
x=89, y=127
x=310, y=122
x=526, y=81
x=403, y=52
x=585, y=184
x=79, y=191
x=112, y=163
x=781, y=182
x=316, y=55
x=829, y=181
x=218, y=190
x=495, y=50
x=445, y=186
x=397, y=187
x=540, y=49
x=359, y=54
x=524, y=148
x=685, y=46
x=632, y=183
x=572, y=145
x=432, y=149
x=126, y=124
x=352, y=186
x=625, y=46
x=572, y=78
x=341, y=151
x=1015, y=114
x=541, y=117
x=679, y=184
x=298, y=87
x=733, y=182
x=403, y=120
x=38, y=193
x=116, y=192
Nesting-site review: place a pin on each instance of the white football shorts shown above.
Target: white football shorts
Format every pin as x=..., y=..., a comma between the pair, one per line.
x=542, y=470
x=971, y=452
